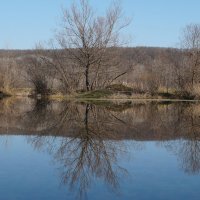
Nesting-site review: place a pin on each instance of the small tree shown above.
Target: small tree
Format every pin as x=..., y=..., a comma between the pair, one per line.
x=37, y=75
x=191, y=44
x=9, y=73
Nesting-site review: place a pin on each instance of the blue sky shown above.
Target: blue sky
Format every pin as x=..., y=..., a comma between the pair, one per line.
x=155, y=22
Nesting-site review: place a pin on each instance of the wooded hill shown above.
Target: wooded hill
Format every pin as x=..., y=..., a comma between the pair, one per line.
x=144, y=69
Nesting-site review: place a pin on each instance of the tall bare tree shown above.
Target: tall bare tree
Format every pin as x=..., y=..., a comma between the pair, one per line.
x=91, y=40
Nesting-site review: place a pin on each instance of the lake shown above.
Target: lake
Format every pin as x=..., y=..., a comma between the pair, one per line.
x=99, y=150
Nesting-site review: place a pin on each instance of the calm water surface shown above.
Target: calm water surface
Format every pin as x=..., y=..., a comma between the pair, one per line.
x=102, y=150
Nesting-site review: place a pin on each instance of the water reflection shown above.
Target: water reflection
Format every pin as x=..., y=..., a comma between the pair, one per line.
x=88, y=138
x=83, y=160
x=92, y=151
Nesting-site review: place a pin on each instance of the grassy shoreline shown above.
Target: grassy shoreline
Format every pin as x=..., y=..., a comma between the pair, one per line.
x=98, y=95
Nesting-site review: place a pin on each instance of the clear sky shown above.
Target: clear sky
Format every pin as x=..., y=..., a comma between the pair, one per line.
x=155, y=22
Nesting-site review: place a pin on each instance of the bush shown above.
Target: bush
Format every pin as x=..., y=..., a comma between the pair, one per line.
x=120, y=88
x=185, y=95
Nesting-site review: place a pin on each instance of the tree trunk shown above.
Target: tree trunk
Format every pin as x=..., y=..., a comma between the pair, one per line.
x=86, y=118
x=87, y=82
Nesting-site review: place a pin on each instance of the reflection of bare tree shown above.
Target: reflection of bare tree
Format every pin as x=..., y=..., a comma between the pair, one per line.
x=187, y=149
x=190, y=151
x=91, y=152
x=190, y=156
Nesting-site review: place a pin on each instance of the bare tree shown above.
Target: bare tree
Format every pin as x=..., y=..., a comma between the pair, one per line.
x=191, y=45
x=90, y=42
x=9, y=74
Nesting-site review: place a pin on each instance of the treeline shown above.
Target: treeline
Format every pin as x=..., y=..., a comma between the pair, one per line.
x=144, y=69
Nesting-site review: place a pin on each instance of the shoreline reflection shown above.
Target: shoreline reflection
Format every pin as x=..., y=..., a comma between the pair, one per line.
x=87, y=139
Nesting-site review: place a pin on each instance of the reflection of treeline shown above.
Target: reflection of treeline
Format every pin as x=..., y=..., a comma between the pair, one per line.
x=92, y=128
x=129, y=120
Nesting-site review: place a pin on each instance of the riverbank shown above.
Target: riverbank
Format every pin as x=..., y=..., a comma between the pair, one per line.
x=109, y=94
x=3, y=95
x=112, y=95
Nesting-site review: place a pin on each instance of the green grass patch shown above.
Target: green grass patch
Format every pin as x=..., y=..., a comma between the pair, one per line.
x=120, y=88
x=96, y=94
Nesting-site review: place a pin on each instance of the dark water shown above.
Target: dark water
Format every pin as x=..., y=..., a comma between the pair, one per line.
x=102, y=150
